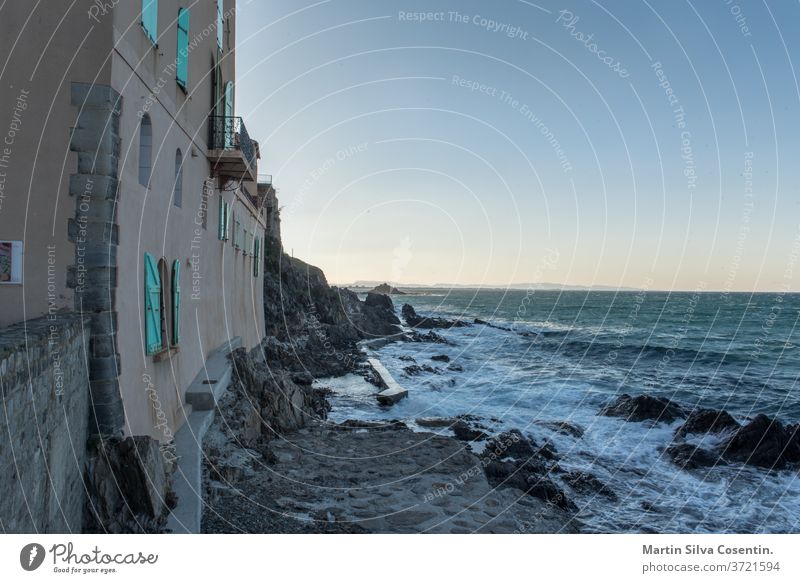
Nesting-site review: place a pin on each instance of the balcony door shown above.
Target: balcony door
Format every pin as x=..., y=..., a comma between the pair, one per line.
x=230, y=125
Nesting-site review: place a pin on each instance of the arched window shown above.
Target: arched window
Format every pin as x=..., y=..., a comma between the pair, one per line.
x=177, y=188
x=145, y=151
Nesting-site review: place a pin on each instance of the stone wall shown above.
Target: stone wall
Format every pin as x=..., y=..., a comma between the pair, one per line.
x=44, y=387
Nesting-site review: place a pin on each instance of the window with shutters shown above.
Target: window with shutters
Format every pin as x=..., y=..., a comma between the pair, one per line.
x=150, y=19
x=182, y=55
x=177, y=188
x=145, y=150
x=152, y=305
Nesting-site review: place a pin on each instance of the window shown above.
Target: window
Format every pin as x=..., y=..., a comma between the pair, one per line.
x=165, y=298
x=207, y=186
x=256, y=256
x=223, y=231
x=220, y=23
x=150, y=19
x=177, y=188
x=145, y=150
x=237, y=232
x=176, y=302
x=152, y=305
x=182, y=58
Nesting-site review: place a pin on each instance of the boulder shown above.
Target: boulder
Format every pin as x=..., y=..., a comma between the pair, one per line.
x=763, y=442
x=690, y=457
x=129, y=486
x=589, y=484
x=643, y=408
x=435, y=422
x=563, y=428
x=465, y=432
x=380, y=301
x=440, y=358
x=707, y=421
x=385, y=288
x=416, y=321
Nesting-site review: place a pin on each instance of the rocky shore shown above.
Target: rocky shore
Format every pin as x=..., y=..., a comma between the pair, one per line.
x=274, y=464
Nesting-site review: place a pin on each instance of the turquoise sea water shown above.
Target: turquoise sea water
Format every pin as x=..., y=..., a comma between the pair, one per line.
x=568, y=353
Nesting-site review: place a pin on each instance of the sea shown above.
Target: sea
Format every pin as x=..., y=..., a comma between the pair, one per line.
x=555, y=356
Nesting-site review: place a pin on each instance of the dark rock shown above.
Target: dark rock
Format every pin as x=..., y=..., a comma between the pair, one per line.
x=385, y=288
x=691, y=457
x=642, y=408
x=763, y=442
x=415, y=369
x=129, y=486
x=464, y=432
x=510, y=444
x=407, y=358
x=431, y=336
x=380, y=301
x=589, y=483
x=490, y=325
x=455, y=367
x=416, y=321
x=563, y=428
x=283, y=404
x=441, y=358
x=707, y=421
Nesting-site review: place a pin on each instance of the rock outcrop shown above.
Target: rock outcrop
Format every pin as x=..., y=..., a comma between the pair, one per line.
x=512, y=460
x=387, y=289
x=271, y=397
x=415, y=321
x=707, y=421
x=129, y=486
x=643, y=408
x=763, y=442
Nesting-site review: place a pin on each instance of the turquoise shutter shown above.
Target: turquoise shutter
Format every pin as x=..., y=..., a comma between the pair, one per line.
x=176, y=302
x=152, y=305
x=182, y=61
x=150, y=19
x=220, y=23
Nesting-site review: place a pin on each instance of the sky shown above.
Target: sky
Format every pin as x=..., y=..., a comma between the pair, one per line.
x=646, y=144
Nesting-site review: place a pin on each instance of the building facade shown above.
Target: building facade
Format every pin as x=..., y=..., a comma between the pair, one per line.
x=129, y=195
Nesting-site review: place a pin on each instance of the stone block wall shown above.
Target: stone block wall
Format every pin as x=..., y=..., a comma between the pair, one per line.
x=44, y=413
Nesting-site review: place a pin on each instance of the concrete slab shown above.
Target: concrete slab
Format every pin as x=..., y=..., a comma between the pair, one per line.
x=393, y=392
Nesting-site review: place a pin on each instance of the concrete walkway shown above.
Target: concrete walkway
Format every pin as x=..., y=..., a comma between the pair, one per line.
x=200, y=407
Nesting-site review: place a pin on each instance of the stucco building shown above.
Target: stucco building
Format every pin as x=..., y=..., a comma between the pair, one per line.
x=129, y=194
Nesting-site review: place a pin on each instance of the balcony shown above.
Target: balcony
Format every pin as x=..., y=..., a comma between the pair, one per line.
x=232, y=153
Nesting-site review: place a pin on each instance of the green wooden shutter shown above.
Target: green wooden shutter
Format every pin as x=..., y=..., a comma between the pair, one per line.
x=182, y=61
x=220, y=23
x=176, y=302
x=150, y=19
x=152, y=305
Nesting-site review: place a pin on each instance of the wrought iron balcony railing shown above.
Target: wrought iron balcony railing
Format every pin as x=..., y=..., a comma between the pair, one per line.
x=230, y=133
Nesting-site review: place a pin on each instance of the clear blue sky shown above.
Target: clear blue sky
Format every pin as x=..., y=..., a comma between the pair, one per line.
x=499, y=143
